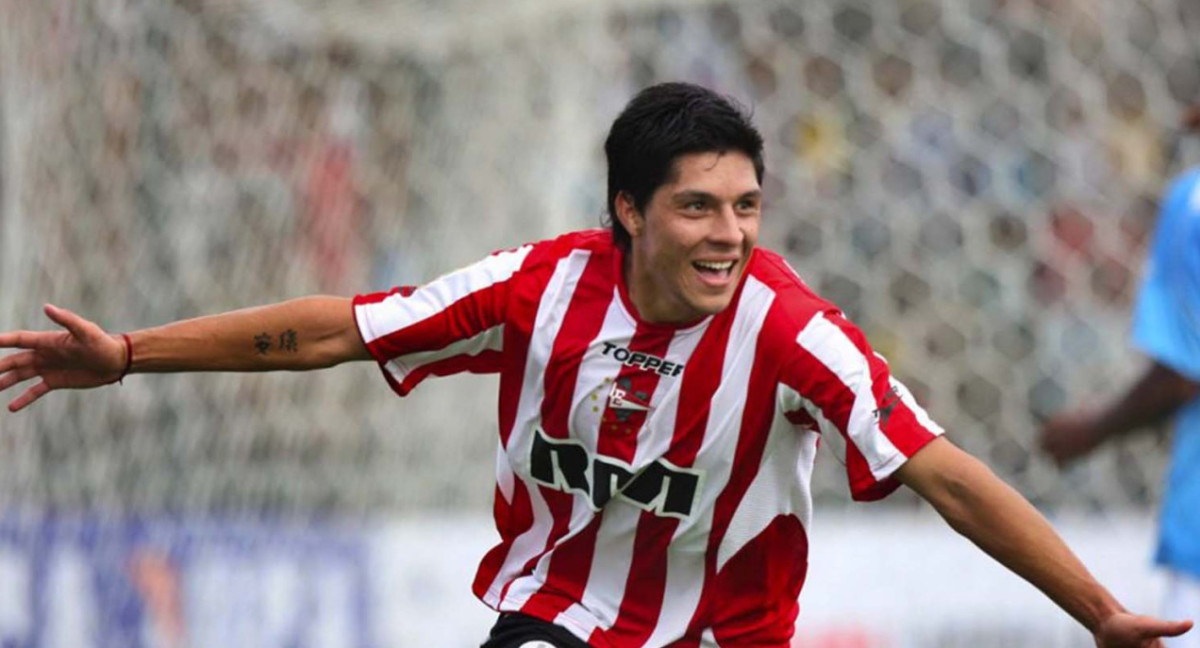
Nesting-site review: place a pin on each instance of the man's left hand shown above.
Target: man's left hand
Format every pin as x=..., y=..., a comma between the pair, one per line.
x=1125, y=630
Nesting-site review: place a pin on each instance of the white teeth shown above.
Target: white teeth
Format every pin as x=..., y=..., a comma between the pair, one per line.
x=716, y=266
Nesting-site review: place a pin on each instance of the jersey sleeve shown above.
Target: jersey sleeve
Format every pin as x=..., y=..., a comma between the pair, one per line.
x=1166, y=316
x=835, y=382
x=453, y=324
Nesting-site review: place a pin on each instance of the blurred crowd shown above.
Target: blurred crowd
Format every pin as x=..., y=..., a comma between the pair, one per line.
x=974, y=183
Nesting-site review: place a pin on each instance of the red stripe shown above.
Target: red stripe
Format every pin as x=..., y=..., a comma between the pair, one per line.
x=468, y=316
x=817, y=383
x=524, y=298
x=902, y=427
x=580, y=326
x=748, y=590
x=524, y=302
x=489, y=361
x=801, y=419
x=375, y=298
x=644, y=588
x=511, y=521
x=756, y=595
x=570, y=568
x=619, y=430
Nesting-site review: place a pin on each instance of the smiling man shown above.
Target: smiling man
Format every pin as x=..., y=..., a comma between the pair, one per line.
x=663, y=388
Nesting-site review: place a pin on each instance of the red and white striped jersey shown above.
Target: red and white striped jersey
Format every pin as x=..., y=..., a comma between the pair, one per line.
x=652, y=481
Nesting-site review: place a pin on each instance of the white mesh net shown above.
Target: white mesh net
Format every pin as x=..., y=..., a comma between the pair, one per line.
x=972, y=181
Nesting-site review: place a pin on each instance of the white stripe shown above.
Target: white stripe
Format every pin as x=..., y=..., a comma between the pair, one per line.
x=685, y=556
x=398, y=312
x=593, y=367
x=613, y=552
x=613, y=555
x=791, y=401
x=555, y=300
x=681, y=592
x=787, y=462
x=830, y=346
x=490, y=340
x=524, y=547
x=654, y=439
x=504, y=475
x=611, y=561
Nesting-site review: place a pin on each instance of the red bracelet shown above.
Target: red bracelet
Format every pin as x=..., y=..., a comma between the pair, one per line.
x=128, y=357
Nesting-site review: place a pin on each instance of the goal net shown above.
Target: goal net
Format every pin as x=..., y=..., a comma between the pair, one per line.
x=973, y=182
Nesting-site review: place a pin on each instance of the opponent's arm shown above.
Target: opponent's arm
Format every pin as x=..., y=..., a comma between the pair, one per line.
x=296, y=335
x=1153, y=397
x=989, y=513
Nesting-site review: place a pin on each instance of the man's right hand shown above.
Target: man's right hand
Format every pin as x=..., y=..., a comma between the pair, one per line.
x=80, y=357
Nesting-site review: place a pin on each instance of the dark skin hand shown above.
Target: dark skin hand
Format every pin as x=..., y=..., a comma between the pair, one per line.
x=1153, y=398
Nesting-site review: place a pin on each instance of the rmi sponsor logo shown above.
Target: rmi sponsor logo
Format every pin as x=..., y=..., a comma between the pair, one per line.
x=661, y=488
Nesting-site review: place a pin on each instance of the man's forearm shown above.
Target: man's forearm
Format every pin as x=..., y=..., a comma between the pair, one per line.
x=989, y=513
x=305, y=333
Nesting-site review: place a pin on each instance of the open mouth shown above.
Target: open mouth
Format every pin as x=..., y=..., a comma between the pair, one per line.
x=715, y=270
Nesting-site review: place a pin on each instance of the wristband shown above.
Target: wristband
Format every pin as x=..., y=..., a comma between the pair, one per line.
x=128, y=357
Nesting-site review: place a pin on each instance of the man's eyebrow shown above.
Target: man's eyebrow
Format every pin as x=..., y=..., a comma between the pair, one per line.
x=694, y=194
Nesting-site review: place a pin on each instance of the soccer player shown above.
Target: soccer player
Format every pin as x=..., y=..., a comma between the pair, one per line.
x=1166, y=327
x=663, y=386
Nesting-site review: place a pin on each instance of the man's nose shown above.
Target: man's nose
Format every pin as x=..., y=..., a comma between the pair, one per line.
x=726, y=228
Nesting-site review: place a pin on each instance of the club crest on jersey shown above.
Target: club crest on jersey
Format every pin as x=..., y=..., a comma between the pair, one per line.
x=642, y=360
x=660, y=487
x=623, y=401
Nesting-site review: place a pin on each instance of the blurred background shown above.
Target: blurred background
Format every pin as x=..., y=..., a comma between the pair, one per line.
x=973, y=182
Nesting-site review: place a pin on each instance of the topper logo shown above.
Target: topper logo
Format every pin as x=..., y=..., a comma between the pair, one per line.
x=643, y=360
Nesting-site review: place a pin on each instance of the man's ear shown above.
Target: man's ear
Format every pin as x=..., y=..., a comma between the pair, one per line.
x=629, y=216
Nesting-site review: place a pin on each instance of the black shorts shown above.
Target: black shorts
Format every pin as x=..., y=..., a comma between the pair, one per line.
x=517, y=630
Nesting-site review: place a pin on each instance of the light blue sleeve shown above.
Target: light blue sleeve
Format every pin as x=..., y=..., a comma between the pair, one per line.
x=1166, y=317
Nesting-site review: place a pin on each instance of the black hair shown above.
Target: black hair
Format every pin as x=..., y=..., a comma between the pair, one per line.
x=660, y=124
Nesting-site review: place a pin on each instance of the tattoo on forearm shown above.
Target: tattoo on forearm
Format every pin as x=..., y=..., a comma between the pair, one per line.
x=262, y=343
x=285, y=341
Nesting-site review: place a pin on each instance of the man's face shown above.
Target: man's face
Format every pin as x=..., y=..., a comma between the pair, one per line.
x=691, y=243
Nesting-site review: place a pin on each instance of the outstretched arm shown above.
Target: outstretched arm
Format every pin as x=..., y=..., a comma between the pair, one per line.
x=296, y=335
x=998, y=520
x=1153, y=397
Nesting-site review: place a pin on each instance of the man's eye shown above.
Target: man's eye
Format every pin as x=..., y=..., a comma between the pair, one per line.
x=695, y=205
